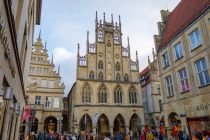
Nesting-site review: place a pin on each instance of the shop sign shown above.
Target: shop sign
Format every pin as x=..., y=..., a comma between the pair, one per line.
x=203, y=107
x=6, y=45
x=198, y=108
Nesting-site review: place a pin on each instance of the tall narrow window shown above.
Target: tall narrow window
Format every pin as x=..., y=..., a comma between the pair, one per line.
x=56, y=102
x=100, y=36
x=100, y=65
x=195, y=38
x=165, y=60
x=91, y=75
x=37, y=100
x=100, y=76
x=202, y=72
x=118, y=95
x=117, y=66
x=116, y=38
x=133, y=96
x=102, y=95
x=169, y=86
x=118, y=77
x=178, y=51
x=160, y=105
x=126, y=78
x=86, y=94
x=183, y=80
x=48, y=101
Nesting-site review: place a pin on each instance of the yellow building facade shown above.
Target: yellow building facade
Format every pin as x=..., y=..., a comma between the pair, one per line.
x=183, y=50
x=106, y=94
x=44, y=91
x=17, y=22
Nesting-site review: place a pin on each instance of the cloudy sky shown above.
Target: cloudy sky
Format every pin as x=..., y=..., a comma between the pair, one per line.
x=64, y=23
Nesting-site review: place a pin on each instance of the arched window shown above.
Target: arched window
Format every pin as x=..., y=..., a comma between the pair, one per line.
x=102, y=95
x=117, y=66
x=118, y=95
x=118, y=77
x=126, y=77
x=100, y=36
x=91, y=75
x=116, y=38
x=100, y=76
x=86, y=94
x=100, y=65
x=133, y=95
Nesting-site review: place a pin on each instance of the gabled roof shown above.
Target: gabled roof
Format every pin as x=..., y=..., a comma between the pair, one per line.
x=183, y=15
x=144, y=71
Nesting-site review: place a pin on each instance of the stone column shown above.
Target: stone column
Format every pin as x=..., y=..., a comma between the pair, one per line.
x=17, y=128
x=184, y=124
x=167, y=125
x=6, y=123
x=111, y=129
x=13, y=126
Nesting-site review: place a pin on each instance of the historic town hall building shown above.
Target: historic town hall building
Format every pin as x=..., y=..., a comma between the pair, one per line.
x=107, y=84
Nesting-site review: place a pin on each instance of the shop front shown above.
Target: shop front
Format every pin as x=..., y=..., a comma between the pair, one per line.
x=198, y=124
x=198, y=119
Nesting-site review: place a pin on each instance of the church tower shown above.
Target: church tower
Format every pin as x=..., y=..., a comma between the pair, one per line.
x=107, y=84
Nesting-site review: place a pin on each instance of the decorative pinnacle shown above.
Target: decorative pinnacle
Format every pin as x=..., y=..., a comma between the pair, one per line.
x=78, y=47
x=104, y=17
x=59, y=69
x=96, y=16
x=52, y=59
x=137, y=53
x=88, y=37
x=39, y=34
x=148, y=60
x=119, y=20
x=153, y=54
x=128, y=41
x=112, y=18
x=45, y=46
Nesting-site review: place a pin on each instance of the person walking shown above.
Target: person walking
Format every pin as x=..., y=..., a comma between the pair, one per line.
x=107, y=137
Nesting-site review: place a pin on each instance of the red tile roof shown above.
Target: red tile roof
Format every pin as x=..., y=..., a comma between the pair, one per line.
x=184, y=14
x=144, y=71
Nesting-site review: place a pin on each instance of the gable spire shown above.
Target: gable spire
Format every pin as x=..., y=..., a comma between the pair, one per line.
x=52, y=59
x=119, y=23
x=59, y=69
x=96, y=20
x=112, y=19
x=104, y=17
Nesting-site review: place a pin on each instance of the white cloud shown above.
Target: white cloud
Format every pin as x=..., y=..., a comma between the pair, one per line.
x=61, y=55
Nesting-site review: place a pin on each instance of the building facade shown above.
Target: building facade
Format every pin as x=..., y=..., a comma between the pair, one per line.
x=44, y=91
x=151, y=95
x=17, y=22
x=65, y=114
x=106, y=94
x=183, y=50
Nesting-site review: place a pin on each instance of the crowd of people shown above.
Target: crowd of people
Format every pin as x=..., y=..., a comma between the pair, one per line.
x=142, y=135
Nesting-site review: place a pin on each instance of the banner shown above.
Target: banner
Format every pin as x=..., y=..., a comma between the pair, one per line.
x=26, y=114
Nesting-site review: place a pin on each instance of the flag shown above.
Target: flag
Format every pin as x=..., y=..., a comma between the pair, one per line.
x=27, y=112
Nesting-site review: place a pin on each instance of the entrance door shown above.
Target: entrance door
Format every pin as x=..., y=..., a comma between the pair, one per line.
x=50, y=124
x=119, y=124
x=86, y=123
x=103, y=125
x=135, y=124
